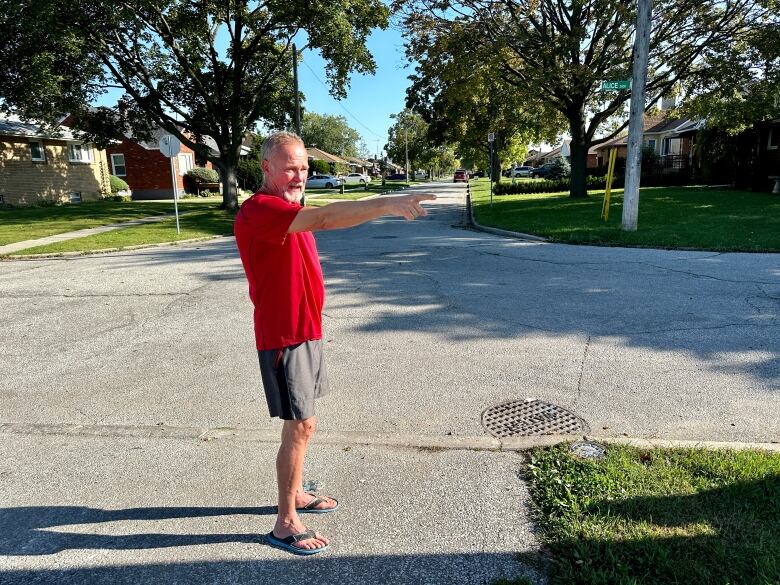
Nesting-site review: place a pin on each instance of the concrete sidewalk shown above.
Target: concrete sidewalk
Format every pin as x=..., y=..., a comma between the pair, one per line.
x=134, y=510
x=17, y=246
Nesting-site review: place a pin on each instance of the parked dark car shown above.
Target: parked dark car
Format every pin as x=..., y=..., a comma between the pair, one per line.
x=396, y=177
x=461, y=175
x=542, y=172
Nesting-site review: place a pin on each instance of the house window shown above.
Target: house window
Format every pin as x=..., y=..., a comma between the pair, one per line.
x=185, y=163
x=118, y=165
x=672, y=146
x=37, y=152
x=651, y=143
x=774, y=138
x=80, y=153
x=75, y=196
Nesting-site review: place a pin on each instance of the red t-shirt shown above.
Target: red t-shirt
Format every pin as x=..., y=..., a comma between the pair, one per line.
x=283, y=270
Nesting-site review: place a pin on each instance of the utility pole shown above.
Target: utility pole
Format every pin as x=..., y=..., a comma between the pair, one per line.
x=406, y=147
x=636, y=119
x=297, y=105
x=297, y=96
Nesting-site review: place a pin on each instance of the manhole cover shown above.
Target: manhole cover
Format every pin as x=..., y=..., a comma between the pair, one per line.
x=523, y=418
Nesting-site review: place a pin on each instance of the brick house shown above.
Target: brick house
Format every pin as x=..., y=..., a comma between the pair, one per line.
x=147, y=171
x=38, y=165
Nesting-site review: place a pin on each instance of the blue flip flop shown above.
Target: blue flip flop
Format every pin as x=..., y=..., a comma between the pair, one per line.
x=311, y=509
x=288, y=543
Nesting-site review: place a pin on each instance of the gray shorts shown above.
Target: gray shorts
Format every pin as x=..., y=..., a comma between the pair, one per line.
x=293, y=377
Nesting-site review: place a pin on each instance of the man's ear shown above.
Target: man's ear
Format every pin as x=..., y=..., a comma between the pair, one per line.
x=264, y=165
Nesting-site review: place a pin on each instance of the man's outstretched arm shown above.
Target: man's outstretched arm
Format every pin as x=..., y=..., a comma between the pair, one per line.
x=346, y=214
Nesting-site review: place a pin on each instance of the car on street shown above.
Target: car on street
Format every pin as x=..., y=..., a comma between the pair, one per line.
x=461, y=175
x=322, y=181
x=542, y=172
x=396, y=177
x=356, y=179
x=521, y=172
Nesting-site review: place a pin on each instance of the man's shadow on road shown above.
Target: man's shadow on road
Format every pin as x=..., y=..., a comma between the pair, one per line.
x=24, y=530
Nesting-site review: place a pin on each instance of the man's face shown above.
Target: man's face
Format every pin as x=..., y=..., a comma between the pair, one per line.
x=285, y=171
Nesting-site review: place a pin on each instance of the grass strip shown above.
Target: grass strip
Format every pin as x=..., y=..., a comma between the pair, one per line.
x=659, y=516
x=28, y=223
x=669, y=217
x=195, y=224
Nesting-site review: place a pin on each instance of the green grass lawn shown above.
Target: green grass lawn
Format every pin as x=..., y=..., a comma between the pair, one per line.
x=657, y=516
x=669, y=217
x=197, y=223
x=28, y=223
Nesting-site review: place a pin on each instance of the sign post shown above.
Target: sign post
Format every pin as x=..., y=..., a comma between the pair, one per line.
x=491, y=138
x=170, y=147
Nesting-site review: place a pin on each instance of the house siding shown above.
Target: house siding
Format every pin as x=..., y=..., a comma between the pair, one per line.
x=148, y=172
x=27, y=182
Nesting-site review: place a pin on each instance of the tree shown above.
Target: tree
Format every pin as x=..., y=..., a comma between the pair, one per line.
x=192, y=67
x=556, y=53
x=458, y=92
x=409, y=130
x=329, y=133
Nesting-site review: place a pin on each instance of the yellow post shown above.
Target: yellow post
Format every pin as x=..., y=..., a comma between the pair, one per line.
x=608, y=191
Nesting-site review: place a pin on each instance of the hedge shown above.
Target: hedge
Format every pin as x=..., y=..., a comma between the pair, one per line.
x=203, y=175
x=117, y=184
x=592, y=183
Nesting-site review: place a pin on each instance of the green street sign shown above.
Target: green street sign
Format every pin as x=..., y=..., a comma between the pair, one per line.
x=616, y=85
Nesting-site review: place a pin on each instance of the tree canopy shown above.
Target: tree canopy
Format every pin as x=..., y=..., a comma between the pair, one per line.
x=330, y=133
x=556, y=53
x=193, y=67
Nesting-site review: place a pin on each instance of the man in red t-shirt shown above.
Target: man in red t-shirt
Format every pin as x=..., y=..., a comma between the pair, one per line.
x=279, y=254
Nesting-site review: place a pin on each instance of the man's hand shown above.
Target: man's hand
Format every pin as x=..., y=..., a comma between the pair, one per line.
x=408, y=206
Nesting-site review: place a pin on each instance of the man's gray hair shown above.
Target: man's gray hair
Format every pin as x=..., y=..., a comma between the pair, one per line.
x=276, y=140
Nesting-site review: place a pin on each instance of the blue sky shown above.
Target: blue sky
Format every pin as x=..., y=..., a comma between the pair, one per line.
x=371, y=99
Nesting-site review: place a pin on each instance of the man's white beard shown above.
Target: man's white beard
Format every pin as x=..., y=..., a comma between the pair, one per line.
x=290, y=198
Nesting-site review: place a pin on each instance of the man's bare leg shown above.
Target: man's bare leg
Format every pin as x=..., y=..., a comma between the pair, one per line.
x=289, y=473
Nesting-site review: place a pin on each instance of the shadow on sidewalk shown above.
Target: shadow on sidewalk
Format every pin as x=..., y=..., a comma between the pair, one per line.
x=23, y=530
x=32, y=532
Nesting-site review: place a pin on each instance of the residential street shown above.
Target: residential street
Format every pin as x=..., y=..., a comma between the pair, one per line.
x=113, y=366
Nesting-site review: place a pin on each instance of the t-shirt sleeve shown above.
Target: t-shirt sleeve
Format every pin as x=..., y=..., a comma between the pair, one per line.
x=268, y=218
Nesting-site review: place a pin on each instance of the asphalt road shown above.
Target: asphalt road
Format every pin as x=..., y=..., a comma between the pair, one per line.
x=427, y=324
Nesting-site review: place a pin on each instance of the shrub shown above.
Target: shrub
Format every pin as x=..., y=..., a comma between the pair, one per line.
x=249, y=174
x=319, y=167
x=117, y=184
x=203, y=175
x=561, y=169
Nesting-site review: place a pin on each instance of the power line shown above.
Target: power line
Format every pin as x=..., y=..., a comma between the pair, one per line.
x=354, y=117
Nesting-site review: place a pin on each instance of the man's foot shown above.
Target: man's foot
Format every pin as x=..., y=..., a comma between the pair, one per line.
x=310, y=502
x=303, y=538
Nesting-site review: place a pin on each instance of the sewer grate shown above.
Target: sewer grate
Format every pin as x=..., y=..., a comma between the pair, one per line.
x=523, y=418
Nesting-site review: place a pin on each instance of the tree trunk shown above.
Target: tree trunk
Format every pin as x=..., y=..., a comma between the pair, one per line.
x=227, y=175
x=579, y=156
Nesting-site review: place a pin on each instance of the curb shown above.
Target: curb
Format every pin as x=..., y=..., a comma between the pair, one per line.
x=497, y=231
x=422, y=442
x=108, y=250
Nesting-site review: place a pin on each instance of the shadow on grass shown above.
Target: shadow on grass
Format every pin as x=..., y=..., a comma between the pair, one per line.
x=721, y=536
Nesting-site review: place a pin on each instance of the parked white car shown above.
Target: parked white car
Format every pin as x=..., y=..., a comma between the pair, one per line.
x=322, y=181
x=521, y=172
x=356, y=179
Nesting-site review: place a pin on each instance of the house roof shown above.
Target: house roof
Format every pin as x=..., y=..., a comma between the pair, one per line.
x=13, y=126
x=670, y=125
x=358, y=161
x=317, y=154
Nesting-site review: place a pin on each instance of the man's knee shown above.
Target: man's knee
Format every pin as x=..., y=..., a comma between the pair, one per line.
x=300, y=430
